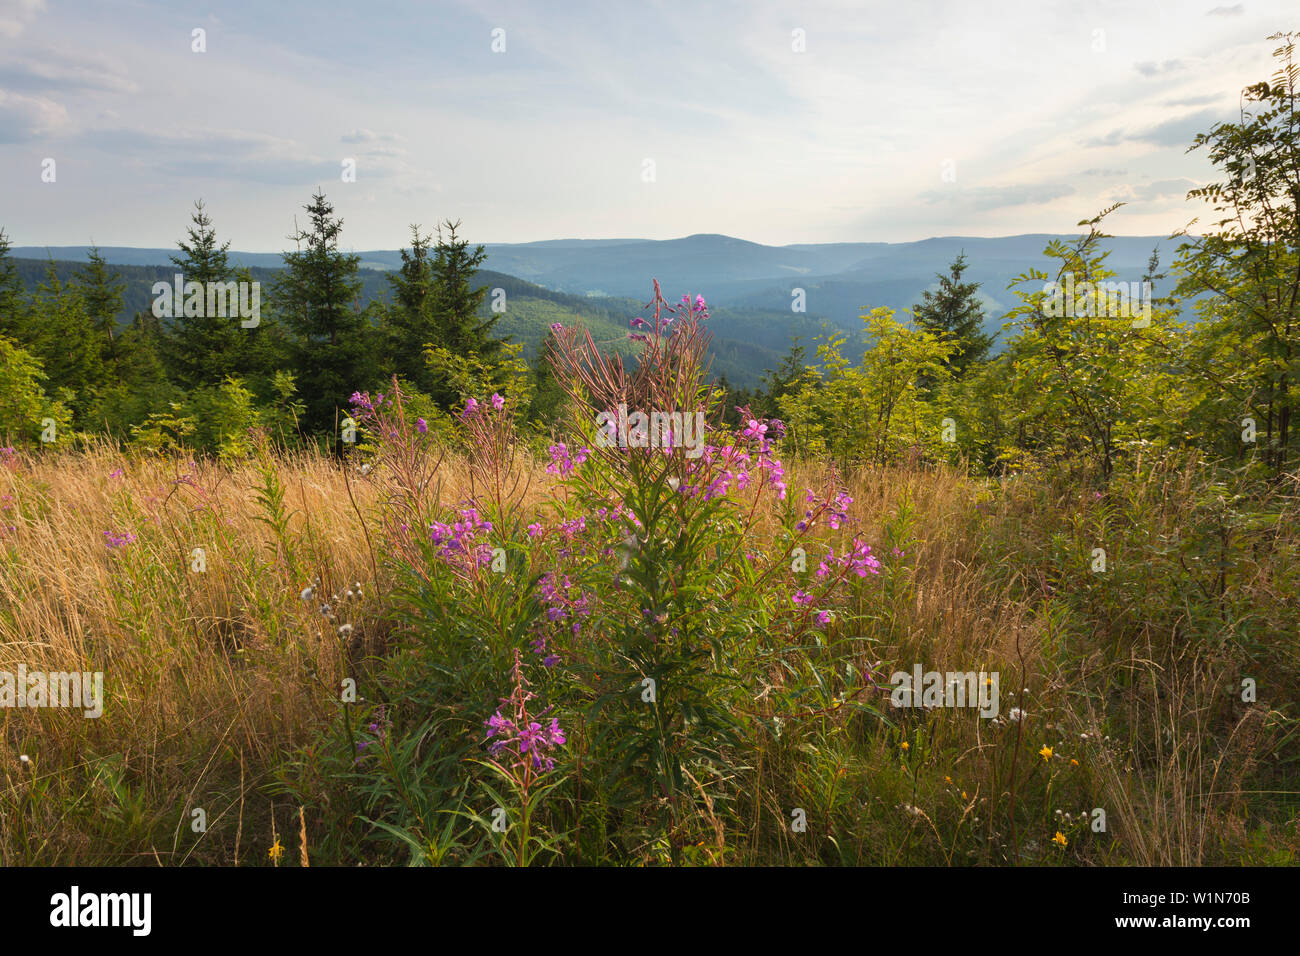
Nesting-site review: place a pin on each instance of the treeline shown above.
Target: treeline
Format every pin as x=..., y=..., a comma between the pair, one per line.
x=233, y=348
x=86, y=350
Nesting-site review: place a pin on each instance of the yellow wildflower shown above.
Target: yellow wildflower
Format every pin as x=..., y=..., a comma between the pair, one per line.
x=1059, y=839
x=1046, y=752
x=276, y=852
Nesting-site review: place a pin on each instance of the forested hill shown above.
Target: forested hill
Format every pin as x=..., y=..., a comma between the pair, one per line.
x=837, y=280
x=746, y=341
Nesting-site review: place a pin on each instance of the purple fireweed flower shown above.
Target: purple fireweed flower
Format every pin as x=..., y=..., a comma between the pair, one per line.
x=532, y=740
x=113, y=539
x=859, y=561
x=823, y=618
x=862, y=561
x=562, y=463
x=470, y=408
x=839, y=511
x=458, y=542
x=563, y=602
x=378, y=729
x=802, y=597
x=498, y=402
x=572, y=527
x=421, y=426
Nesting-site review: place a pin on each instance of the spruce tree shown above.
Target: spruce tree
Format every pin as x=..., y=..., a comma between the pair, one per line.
x=409, y=324
x=455, y=302
x=316, y=295
x=141, y=386
x=58, y=331
x=780, y=382
x=202, y=349
x=548, y=396
x=953, y=313
x=203, y=260
x=11, y=291
x=101, y=291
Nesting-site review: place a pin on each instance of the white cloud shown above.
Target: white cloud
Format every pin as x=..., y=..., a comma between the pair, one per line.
x=25, y=118
x=48, y=70
x=16, y=14
x=845, y=141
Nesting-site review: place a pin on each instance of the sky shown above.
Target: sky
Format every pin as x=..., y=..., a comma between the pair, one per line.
x=776, y=122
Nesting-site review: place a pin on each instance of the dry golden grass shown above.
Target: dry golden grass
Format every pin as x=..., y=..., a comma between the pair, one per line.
x=228, y=664
x=214, y=678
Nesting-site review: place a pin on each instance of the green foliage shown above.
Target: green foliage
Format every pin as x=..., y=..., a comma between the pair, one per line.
x=58, y=331
x=281, y=417
x=465, y=376
x=25, y=409
x=168, y=430
x=224, y=417
x=141, y=385
x=1084, y=368
x=1244, y=352
x=874, y=411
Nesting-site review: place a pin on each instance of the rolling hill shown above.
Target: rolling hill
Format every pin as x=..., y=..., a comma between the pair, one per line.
x=603, y=282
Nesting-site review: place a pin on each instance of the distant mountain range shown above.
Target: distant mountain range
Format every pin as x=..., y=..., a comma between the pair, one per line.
x=749, y=286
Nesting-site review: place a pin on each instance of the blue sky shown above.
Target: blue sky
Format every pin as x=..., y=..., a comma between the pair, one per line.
x=896, y=121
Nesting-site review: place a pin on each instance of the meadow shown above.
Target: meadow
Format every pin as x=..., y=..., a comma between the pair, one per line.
x=479, y=645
